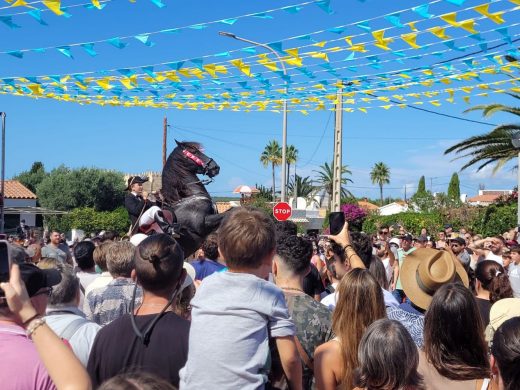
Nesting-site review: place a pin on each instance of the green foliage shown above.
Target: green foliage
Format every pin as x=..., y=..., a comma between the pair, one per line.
x=302, y=186
x=91, y=221
x=421, y=188
x=32, y=178
x=326, y=179
x=496, y=219
x=454, y=188
x=272, y=155
x=413, y=222
x=380, y=175
x=262, y=204
x=265, y=193
x=66, y=189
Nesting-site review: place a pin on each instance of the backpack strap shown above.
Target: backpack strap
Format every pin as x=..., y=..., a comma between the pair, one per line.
x=303, y=355
x=72, y=328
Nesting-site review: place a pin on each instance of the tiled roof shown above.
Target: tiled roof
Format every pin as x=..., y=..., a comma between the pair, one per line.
x=223, y=206
x=485, y=198
x=13, y=189
x=367, y=205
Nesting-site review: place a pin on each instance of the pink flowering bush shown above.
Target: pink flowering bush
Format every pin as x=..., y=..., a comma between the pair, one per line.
x=354, y=215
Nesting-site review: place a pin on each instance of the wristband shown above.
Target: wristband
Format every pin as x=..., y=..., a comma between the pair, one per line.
x=34, y=325
x=25, y=323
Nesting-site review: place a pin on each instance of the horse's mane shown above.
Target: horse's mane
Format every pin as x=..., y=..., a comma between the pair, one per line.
x=173, y=185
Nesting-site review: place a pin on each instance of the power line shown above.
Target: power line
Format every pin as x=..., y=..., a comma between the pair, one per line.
x=319, y=143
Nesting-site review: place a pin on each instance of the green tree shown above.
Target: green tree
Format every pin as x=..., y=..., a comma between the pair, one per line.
x=33, y=177
x=66, y=189
x=326, y=179
x=380, y=175
x=291, y=156
x=421, y=188
x=91, y=221
x=272, y=155
x=301, y=187
x=494, y=147
x=454, y=189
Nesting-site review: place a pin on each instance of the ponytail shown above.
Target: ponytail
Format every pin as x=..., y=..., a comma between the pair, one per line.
x=500, y=287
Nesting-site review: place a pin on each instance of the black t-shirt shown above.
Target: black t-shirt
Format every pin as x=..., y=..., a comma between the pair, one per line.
x=484, y=307
x=117, y=349
x=312, y=284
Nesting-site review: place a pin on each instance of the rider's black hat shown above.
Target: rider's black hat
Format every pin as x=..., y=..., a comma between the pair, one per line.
x=134, y=180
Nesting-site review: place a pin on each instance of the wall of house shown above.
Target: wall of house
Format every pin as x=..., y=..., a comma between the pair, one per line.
x=30, y=219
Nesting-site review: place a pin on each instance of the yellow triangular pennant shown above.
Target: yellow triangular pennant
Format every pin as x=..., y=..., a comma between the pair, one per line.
x=54, y=6
x=450, y=18
x=439, y=32
x=410, y=39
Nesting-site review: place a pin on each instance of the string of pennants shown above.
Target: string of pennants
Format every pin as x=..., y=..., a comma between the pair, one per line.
x=317, y=69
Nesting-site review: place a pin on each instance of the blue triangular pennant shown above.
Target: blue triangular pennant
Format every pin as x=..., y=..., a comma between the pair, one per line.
x=89, y=48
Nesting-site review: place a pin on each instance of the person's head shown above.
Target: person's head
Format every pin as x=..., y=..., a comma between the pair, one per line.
x=83, y=254
x=246, y=240
x=388, y=358
x=336, y=265
x=158, y=264
x=424, y=232
x=110, y=236
x=66, y=293
x=210, y=247
x=135, y=184
x=293, y=257
x=35, y=252
x=454, y=334
x=38, y=283
x=136, y=381
x=505, y=354
x=100, y=255
x=430, y=244
x=360, y=303
x=457, y=245
x=515, y=254
x=55, y=237
x=420, y=242
x=406, y=242
x=448, y=229
x=48, y=263
x=362, y=244
x=491, y=276
x=377, y=270
x=496, y=245
x=384, y=232
x=182, y=306
x=285, y=228
x=120, y=259
x=506, y=260
x=441, y=235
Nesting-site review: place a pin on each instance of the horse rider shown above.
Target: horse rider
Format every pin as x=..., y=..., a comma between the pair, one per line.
x=145, y=212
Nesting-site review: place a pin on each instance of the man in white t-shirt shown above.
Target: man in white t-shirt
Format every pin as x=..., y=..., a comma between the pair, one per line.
x=491, y=248
x=514, y=271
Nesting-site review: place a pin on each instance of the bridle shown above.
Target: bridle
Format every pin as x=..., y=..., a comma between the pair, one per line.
x=200, y=163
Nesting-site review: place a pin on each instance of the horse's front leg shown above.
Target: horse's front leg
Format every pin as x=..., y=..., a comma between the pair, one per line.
x=212, y=222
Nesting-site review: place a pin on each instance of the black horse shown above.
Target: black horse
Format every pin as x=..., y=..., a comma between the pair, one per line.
x=185, y=194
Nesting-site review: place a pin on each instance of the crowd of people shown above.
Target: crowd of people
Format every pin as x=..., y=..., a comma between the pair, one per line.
x=260, y=306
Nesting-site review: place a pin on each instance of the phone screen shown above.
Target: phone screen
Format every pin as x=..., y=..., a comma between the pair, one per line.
x=336, y=222
x=4, y=262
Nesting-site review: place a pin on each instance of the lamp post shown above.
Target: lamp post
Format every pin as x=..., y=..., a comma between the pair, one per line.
x=284, y=125
x=515, y=140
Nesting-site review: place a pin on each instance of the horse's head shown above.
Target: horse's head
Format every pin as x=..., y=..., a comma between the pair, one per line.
x=197, y=161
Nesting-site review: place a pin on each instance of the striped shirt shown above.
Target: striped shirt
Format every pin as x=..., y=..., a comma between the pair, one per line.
x=104, y=305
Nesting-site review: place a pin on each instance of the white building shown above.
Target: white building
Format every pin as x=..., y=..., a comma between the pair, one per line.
x=393, y=208
x=486, y=197
x=17, y=196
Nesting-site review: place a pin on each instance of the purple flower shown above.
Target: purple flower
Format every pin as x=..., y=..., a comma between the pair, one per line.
x=353, y=213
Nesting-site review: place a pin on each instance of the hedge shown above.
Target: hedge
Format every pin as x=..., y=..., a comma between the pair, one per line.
x=91, y=221
x=413, y=222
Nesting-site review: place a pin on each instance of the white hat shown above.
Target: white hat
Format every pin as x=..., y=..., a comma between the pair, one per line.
x=395, y=241
x=136, y=239
x=190, y=277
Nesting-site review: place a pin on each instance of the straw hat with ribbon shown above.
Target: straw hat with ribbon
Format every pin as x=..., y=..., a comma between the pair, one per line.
x=425, y=270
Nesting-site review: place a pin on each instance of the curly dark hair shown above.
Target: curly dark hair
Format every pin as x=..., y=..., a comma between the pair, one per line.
x=210, y=247
x=295, y=252
x=362, y=245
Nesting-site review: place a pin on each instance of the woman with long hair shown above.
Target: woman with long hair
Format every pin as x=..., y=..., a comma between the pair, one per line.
x=491, y=285
x=505, y=354
x=388, y=358
x=360, y=303
x=455, y=352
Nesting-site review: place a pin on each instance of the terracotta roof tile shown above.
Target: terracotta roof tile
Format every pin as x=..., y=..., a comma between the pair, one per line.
x=485, y=198
x=367, y=205
x=223, y=206
x=13, y=189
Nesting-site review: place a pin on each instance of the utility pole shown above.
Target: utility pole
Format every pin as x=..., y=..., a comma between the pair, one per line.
x=165, y=131
x=405, y=192
x=337, y=163
x=2, y=188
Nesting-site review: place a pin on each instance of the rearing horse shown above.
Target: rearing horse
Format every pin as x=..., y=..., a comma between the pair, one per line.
x=185, y=194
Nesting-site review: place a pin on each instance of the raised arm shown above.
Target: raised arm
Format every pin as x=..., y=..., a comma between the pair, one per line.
x=343, y=239
x=64, y=368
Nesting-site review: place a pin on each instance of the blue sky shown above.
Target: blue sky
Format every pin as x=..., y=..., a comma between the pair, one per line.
x=410, y=142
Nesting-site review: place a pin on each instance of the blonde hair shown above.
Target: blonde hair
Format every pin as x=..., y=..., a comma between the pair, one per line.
x=360, y=303
x=100, y=255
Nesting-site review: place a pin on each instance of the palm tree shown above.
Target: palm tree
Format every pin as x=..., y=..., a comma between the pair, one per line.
x=380, y=175
x=326, y=179
x=291, y=156
x=494, y=147
x=272, y=154
x=301, y=187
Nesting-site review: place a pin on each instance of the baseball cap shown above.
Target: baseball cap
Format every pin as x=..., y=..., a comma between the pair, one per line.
x=458, y=240
x=408, y=237
x=36, y=278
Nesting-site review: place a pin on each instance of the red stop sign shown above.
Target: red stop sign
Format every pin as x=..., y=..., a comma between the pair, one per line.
x=282, y=211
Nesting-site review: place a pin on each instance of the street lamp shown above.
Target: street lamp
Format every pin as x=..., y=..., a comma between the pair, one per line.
x=284, y=125
x=515, y=140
